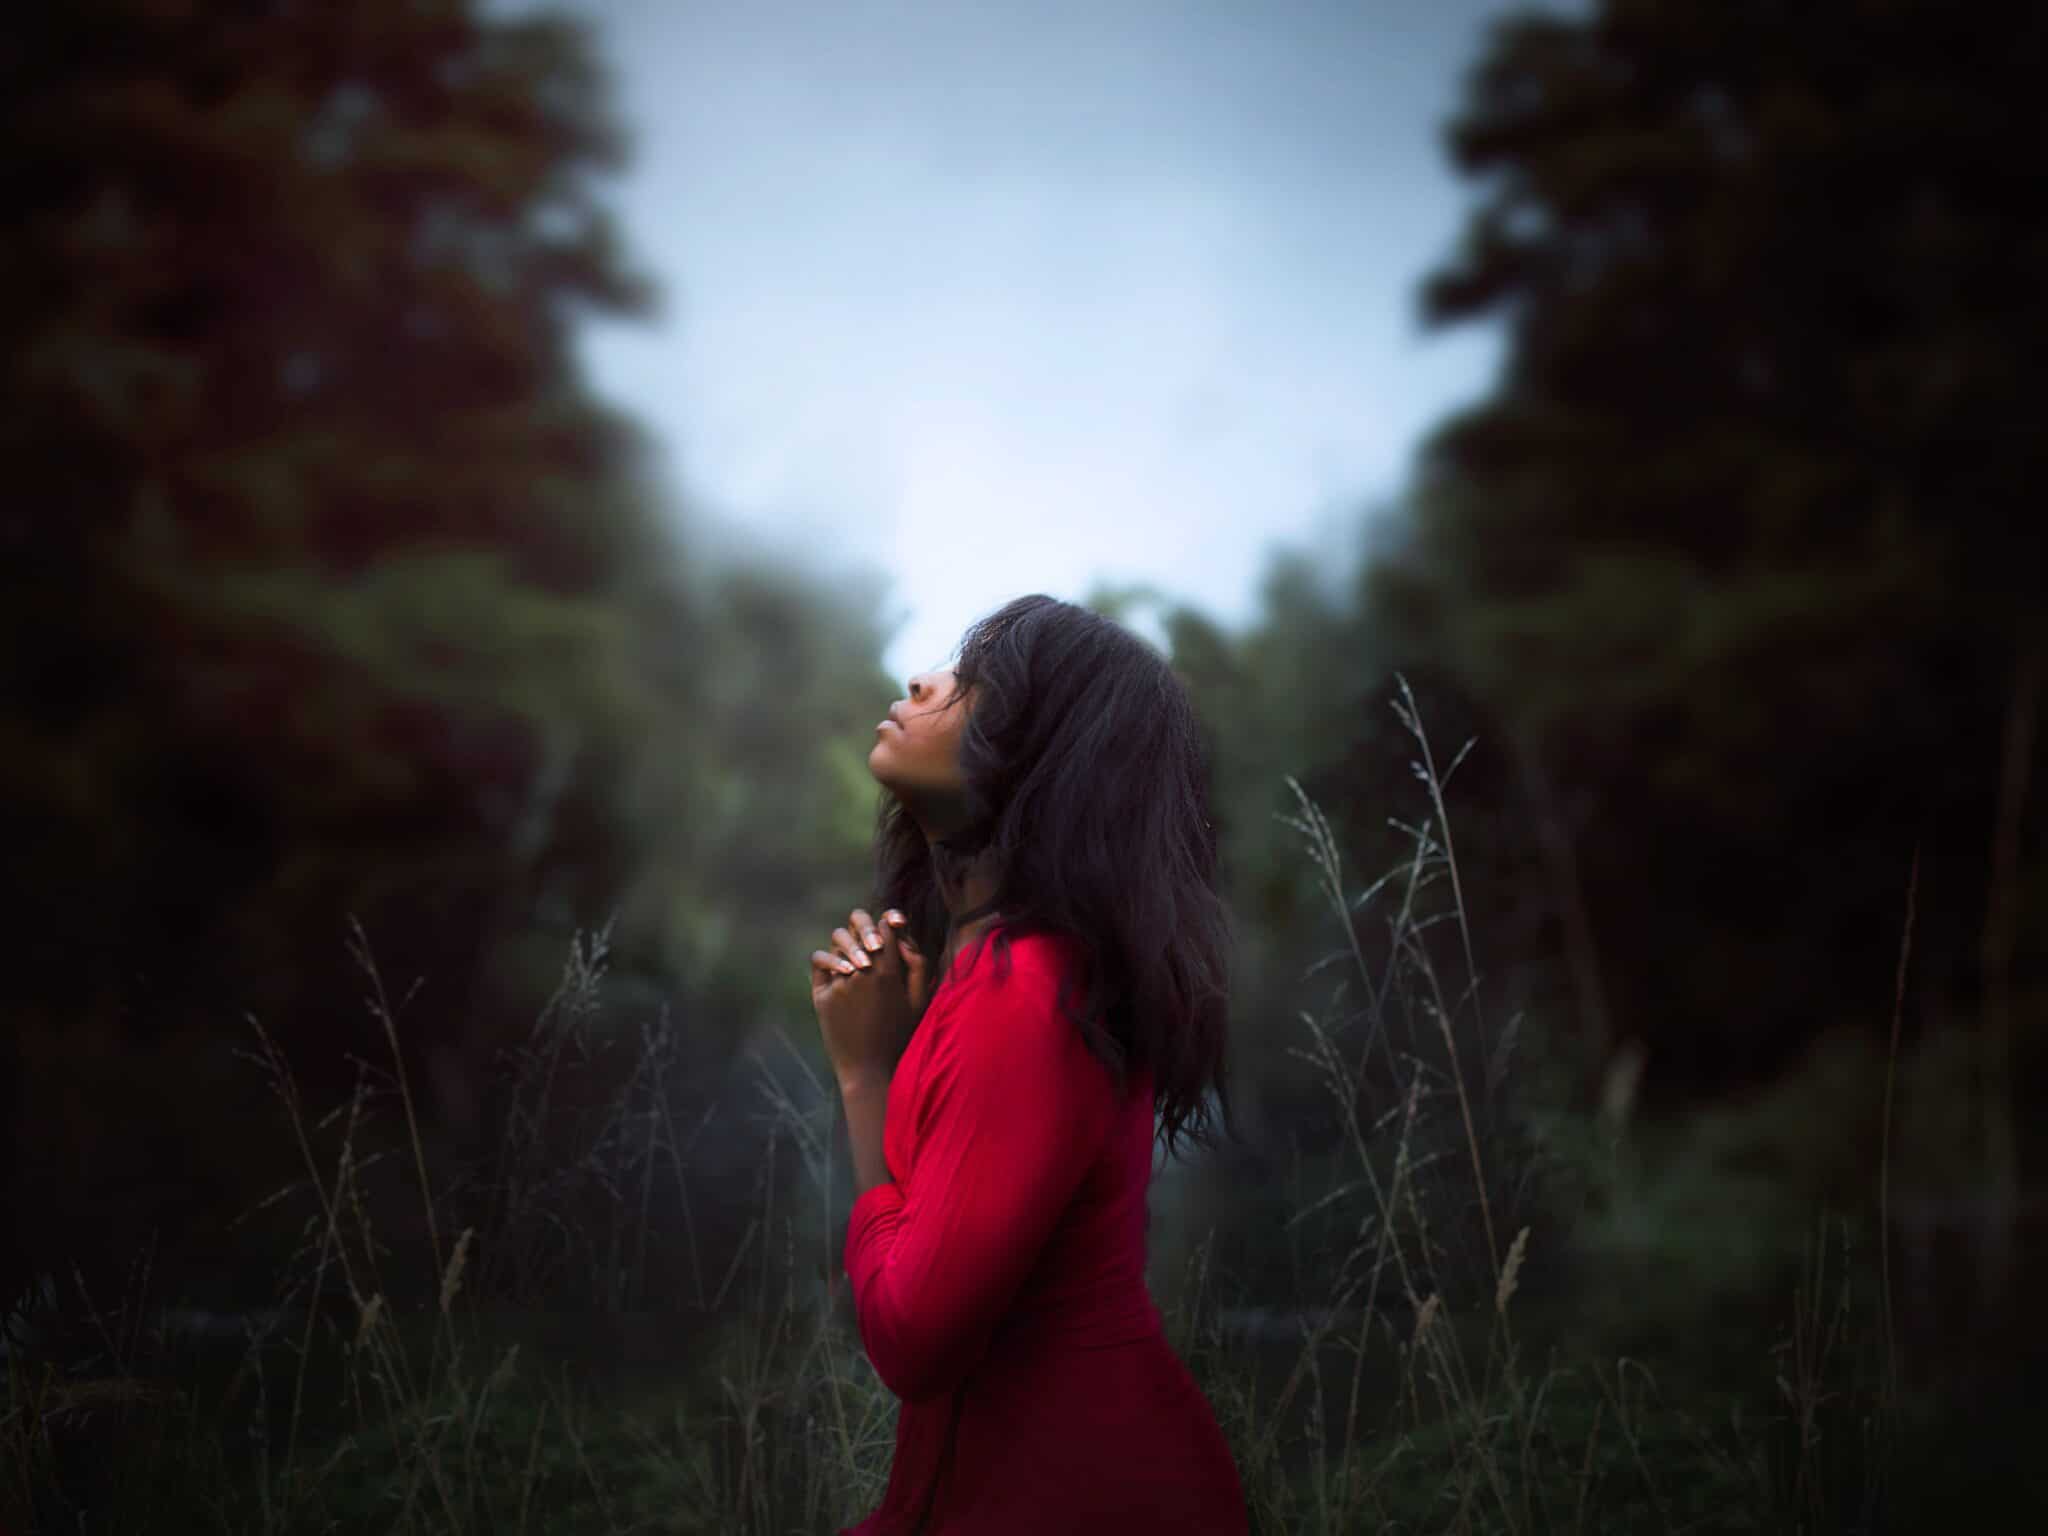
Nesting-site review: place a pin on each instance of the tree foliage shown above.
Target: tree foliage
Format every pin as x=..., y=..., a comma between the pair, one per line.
x=329, y=589
x=1745, y=549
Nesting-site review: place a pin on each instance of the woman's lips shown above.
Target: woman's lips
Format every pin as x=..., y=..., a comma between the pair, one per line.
x=887, y=725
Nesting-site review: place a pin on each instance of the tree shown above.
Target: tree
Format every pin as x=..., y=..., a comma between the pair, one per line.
x=1744, y=548
x=327, y=588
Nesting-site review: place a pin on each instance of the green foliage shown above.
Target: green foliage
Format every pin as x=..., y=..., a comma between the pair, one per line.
x=421, y=1403
x=1744, y=552
x=313, y=484
x=328, y=591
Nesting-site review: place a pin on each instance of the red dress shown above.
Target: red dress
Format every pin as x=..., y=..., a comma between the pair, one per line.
x=999, y=1282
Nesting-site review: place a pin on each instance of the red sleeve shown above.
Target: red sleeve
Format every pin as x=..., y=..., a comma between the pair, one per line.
x=1010, y=1110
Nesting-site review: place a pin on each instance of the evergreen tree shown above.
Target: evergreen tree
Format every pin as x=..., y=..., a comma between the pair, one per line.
x=1745, y=549
x=327, y=588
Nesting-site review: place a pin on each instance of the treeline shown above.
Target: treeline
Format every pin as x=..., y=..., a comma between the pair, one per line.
x=331, y=594
x=1738, y=578
x=330, y=591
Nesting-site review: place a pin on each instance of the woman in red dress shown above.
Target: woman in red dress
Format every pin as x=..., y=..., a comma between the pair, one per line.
x=1045, y=834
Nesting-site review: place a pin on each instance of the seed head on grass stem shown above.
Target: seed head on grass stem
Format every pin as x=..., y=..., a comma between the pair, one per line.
x=1510, y=1271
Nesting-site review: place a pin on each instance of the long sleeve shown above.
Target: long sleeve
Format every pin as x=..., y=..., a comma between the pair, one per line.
x=1008, y=1113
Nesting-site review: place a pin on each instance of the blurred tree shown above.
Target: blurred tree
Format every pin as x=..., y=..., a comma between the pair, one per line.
x=327, y=588
x=1744, y=550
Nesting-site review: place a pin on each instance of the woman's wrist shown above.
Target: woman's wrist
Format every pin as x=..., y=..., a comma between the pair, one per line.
x=870, y=1080
x=865, y=1094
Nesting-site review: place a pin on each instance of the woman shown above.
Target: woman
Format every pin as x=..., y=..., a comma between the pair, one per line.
x=1046, y=805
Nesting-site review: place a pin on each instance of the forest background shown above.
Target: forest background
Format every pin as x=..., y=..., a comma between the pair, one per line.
x=342, y=626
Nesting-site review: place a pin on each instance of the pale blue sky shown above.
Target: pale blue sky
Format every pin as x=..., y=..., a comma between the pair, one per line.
x=1000, y=298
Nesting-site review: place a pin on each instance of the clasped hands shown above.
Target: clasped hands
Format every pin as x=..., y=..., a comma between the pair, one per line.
x=868, y=991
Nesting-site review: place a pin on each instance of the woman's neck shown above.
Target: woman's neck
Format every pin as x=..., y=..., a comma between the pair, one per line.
x=974, y=890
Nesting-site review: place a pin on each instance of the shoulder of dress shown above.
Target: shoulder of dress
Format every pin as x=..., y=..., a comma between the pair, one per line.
x=1016, y=1018
x=1035, y=961
x=1029, y=981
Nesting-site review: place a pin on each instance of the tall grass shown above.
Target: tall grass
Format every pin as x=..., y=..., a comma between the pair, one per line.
x=1422, y=1395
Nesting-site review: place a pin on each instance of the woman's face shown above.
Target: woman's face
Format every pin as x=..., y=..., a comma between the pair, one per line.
x=917, y=749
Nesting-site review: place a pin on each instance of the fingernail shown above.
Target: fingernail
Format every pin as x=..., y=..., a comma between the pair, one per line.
x=874, y=941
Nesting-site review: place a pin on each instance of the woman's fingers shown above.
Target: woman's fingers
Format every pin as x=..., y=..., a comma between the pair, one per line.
x=851, y=947
x=864, y=928
x=856, y=945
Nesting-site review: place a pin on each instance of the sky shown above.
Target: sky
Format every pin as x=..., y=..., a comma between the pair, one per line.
x=1003, y=298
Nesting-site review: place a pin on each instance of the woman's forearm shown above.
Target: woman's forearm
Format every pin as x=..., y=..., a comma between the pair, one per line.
x=867, y=1101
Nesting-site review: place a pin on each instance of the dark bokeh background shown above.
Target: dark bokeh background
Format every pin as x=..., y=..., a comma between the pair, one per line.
x=329, y=594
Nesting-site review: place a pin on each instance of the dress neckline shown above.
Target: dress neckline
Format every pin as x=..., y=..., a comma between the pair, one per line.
x=980, y=943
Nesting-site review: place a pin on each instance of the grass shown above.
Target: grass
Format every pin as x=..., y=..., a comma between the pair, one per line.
x=1454, y=1371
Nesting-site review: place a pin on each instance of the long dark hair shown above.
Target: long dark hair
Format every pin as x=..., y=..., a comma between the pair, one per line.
x=1085, y=776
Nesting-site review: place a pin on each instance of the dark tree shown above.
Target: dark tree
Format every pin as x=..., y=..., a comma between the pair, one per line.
x=1746, y=549
x=319, y=567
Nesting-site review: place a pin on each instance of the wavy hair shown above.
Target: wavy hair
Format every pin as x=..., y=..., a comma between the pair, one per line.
x=1084, y=774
